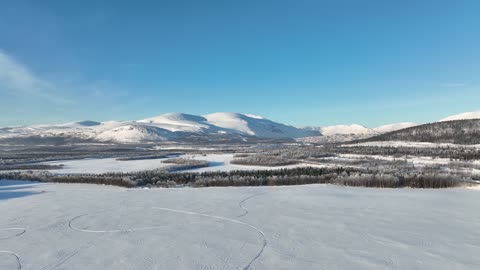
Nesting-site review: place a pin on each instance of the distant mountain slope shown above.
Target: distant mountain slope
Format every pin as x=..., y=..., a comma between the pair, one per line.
x=180, y=122
x=256, y=126
x=134, y=134
x=338, y=133
x=217, y=127
x=353, y=129
x=226, y=127
x=458, y=132
x=393, y=127
x=462, y=116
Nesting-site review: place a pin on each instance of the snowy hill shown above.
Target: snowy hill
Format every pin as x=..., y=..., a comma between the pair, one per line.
x=338, y=133
x=393, y=127
x=179, y=122
x=256, y=126
x=172, y=126
x=462, y=116
x=353, y=129
x=227, y=127
x=134, y=134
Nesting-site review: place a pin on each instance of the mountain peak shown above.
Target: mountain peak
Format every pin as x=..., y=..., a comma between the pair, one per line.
x=175, y=116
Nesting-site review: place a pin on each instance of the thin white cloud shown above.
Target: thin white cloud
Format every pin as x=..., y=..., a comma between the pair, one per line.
x=17, y=79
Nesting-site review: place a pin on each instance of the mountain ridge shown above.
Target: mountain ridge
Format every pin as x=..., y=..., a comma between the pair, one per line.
x=222, y=126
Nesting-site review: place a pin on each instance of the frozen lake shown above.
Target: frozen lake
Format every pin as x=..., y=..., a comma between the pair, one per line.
x=72, y=226
x=217, y=162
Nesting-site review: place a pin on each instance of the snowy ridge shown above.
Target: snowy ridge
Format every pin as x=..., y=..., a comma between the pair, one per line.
x=178, y=122
x=256, y=126
x=353, y=129
x=394, y=127
x=224, y=126
x=133, y=134
x=462, y=116
x=164, y=127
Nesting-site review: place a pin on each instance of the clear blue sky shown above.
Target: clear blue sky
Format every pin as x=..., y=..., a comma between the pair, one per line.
x=302, y=62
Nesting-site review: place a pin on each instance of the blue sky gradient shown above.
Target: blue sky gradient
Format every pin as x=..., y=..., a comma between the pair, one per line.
x=298, y=62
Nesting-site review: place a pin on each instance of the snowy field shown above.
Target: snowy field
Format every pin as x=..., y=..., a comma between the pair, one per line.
x=72, y=226
x=221, y=162
x=217, y=162
x=105, y=165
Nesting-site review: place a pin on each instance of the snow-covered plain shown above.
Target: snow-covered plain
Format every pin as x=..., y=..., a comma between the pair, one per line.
x=72, y=226
x=217, y=162
x=222, y=163
x=106, y=165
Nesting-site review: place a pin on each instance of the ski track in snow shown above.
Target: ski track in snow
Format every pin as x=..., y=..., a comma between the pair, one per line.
x=241, y=205
x=69, y=256
x=261, y=233
x=108, y=231
x=325, y=238
x=17, y=257
x=22, y=231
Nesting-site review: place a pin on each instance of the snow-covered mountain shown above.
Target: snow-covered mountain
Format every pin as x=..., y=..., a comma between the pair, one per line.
x=462, y=116
x=215, y=127
x=175, y=122
x=353, y=129
x=343, y=133
x=131, y=133
x=171, y=126
x=258, y=126
x=339, y=133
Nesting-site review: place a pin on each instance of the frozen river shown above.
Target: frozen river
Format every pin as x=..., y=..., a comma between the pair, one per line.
x=73, y=226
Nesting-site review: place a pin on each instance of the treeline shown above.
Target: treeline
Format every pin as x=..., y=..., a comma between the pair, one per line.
x=296, y=176
x=29, y=167
x=47, y=177
x=182, y=164
x=261, y=160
